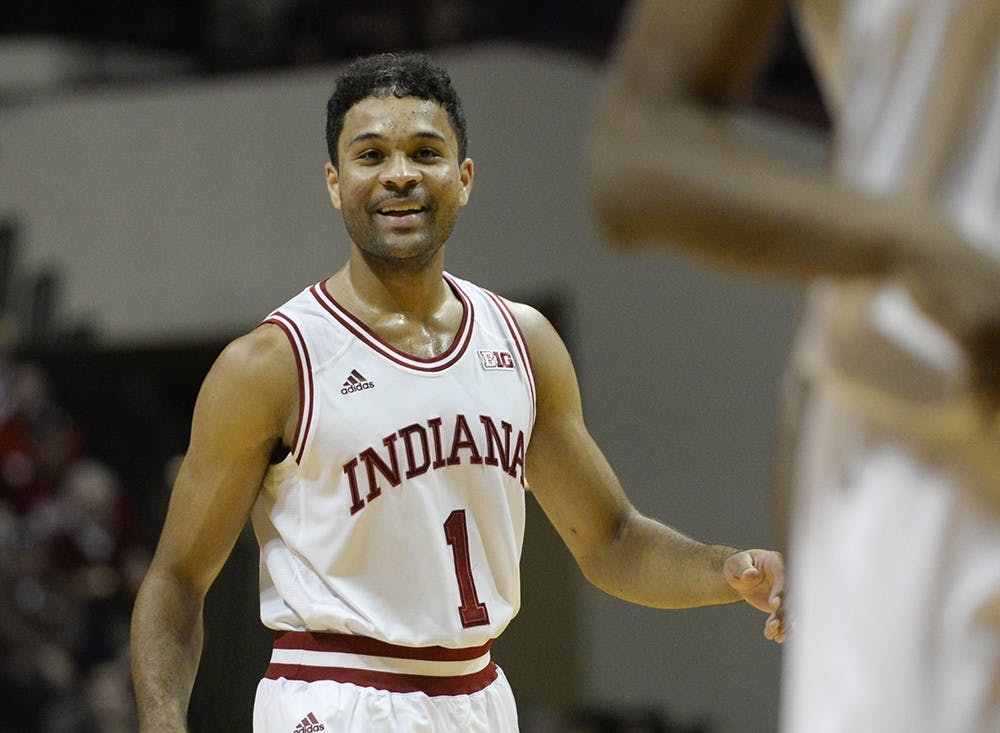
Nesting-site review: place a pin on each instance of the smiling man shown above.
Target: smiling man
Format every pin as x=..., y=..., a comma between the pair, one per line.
x=381, y=428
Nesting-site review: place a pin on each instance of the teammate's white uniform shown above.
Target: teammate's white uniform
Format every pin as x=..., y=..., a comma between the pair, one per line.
x=892, y=560
x=391, y=534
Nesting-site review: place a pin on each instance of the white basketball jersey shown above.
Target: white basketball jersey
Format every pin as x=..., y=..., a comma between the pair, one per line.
x=892, y=560
x=399, y=512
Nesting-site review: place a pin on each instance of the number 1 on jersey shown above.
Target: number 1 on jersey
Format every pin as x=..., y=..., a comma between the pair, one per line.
x=456, y=531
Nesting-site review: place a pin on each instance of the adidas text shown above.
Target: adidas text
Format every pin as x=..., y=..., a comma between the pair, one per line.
x=355, y=382
x=309, y=724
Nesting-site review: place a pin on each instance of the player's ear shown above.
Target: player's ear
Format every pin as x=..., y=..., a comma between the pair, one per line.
x=465, y=176
x=333, y=185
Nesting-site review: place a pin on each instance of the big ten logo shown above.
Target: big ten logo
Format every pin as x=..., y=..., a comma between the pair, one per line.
x=496, y=359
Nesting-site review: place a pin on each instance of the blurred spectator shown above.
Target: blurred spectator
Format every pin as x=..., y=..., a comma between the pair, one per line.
x=103, y=703
x=90, y=531
x=40, y=626
x=38, y=439
x=71, y=558
x=89, y=535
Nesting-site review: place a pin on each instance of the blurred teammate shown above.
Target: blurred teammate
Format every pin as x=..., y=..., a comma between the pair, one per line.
x=895, y=526
x=381, y=428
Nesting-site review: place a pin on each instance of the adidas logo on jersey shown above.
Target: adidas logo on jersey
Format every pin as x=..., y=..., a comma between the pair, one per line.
x=309, y=724
x=356, y=382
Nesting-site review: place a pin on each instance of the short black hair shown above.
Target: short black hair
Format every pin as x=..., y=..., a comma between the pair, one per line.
x=397, y=74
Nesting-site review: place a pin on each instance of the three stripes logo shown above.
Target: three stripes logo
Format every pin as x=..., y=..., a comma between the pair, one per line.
x=356, y=382
x=309, y=724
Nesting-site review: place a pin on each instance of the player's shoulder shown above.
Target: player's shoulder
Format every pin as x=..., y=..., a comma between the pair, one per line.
x=539, y=334
x=529, y=319
x=534, y=326
x=261, y=354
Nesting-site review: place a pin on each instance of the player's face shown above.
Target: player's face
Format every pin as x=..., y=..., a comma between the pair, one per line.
x=399, y=182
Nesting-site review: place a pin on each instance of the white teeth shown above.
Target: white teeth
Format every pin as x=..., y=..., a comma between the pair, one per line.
x=410, y=209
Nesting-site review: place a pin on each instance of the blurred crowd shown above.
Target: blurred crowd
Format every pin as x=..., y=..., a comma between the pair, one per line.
x=71, y=559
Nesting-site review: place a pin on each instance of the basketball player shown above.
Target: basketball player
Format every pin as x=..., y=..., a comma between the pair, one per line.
x=895, y=527
x=381, y=428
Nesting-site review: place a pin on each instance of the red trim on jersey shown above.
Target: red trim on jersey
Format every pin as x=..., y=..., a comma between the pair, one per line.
x=390, y=681
x=519, y=341
x=304, y=365
x=359, y=329
x=316, y=641
x=433, y=686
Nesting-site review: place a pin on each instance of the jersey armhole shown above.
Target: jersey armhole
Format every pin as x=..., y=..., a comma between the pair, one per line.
x=303, y=365
x=520, y=344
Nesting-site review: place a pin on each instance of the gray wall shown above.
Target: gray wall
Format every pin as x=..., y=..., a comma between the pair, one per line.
x=188, y=210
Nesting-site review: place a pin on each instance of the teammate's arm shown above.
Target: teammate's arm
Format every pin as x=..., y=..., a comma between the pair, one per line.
x=242, y=411
x=618, y=549
x=667, y=165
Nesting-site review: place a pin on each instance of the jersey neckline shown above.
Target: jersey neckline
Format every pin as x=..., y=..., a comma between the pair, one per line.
x=363, y=333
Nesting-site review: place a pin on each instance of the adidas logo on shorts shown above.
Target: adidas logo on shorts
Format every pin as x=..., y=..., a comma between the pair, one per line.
x=309, y=724
x=356, y=382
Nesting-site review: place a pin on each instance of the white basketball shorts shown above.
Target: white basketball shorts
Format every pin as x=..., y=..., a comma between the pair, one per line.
x=338, y=683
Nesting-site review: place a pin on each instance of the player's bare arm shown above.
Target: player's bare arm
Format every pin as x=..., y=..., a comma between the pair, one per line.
x=666, y=165
x=618, y=549
x=246, y=404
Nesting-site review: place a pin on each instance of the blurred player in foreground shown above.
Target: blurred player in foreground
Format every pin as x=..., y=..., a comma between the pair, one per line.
x=895, y=379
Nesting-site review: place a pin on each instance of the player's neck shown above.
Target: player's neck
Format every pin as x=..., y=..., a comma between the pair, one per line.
x=413, y=309
x=371, y=287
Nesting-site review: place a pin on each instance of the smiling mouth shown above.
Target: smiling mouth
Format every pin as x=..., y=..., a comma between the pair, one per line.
x=401, y=211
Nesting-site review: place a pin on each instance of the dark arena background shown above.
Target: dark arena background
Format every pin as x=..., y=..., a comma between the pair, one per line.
x=95, y=400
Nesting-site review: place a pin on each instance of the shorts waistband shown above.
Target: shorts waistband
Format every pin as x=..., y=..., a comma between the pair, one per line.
x=434, y=670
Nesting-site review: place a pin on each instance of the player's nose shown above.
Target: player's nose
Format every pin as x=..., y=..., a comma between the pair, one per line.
x=399, y=172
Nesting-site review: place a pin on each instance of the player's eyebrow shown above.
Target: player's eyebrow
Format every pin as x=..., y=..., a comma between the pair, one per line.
x=432, y=135
x=362, y=136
